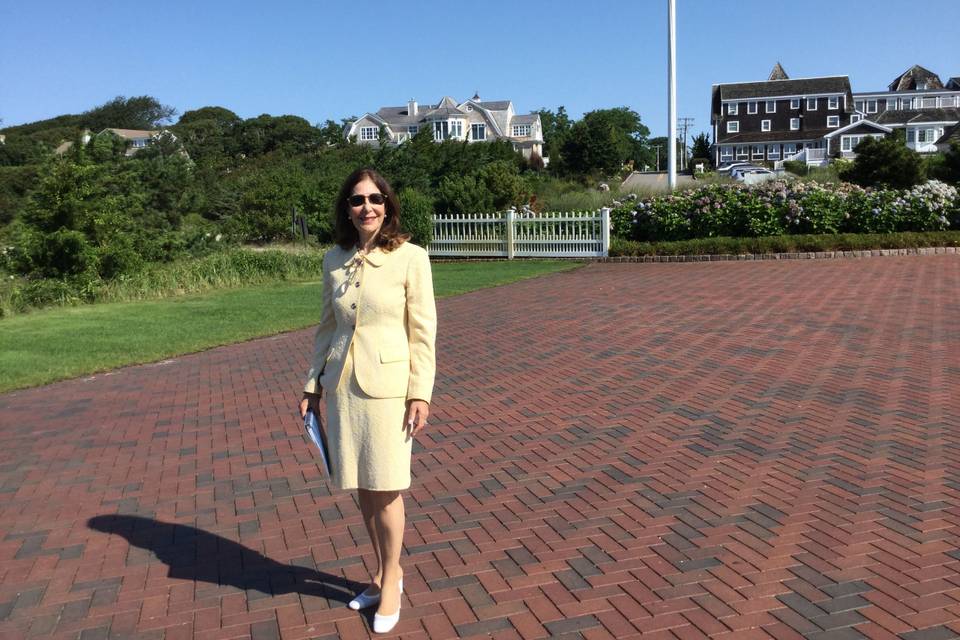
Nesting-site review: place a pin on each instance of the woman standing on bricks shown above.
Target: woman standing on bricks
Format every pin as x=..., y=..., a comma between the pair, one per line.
x=374, y=358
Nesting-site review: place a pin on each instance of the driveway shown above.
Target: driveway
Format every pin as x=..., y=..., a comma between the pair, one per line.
x=727, y=450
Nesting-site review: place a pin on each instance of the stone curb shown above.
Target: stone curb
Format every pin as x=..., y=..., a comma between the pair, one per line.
x=803, y=255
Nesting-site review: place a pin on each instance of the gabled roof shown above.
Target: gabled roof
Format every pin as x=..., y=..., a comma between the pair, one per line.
x=918, y=116
x=525, y=119
x=776, y=88
x=954, y=83
x=950, y=135
x=447, y=107
x=778, y=73
x=861, y=123
x=908, y=80
x=132, y=134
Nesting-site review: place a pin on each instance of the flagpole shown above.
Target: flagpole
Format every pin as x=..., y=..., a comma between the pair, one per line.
x=672, y=98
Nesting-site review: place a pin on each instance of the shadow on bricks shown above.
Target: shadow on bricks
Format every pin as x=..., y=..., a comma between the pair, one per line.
x=194, y=554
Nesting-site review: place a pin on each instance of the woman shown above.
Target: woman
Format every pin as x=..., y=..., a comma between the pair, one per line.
x=374, y=358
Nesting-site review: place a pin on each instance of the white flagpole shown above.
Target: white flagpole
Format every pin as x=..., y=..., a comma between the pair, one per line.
x=672, y=100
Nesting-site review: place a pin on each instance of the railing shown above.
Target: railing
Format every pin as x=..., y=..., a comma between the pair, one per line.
x=577, y=234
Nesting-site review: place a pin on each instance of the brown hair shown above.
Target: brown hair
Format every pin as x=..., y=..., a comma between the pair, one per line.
x=390, y=237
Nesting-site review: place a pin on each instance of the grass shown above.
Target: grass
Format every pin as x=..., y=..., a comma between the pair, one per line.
x=67, y=342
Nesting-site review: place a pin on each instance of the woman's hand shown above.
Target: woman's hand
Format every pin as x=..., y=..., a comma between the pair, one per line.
x=309, y=401
x=417, y=412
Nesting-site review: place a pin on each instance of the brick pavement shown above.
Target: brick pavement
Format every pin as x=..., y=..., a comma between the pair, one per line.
x=733, y=450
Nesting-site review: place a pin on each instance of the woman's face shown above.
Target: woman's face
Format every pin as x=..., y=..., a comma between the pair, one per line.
x=366, y=216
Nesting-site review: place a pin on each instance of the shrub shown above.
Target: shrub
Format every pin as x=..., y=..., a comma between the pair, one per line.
x=886, y=162
x=416, y=216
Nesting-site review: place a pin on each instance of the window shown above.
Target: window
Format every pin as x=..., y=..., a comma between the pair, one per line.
x=733, y=126
x=910, y=135
x=855, y=118
x=858, y=105
x=726, y=153
x=758, y=152
x=764, y=125
x=833, y=103
x=743, y=153
x=441, y=130
x=773, y=152
x=872, y=106
x=794, y=103
x=369, y=133
x=139, y=143
x=771, y=106
x=929, y=103
x=789, y=149
x=521, y=130
x=456, y=129
x=833, y=122
x=478, y=131
x=752, y=107
x=413, y=129
x=925, y=135
x=811, y=104
x=908, y=103
x=732, y=108
x=891, y=104
x=794, y=124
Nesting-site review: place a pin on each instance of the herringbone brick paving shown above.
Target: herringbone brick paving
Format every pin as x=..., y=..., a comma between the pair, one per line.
x=733, y=450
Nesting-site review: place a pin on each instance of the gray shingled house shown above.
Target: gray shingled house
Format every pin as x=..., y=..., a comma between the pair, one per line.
x=474, y=120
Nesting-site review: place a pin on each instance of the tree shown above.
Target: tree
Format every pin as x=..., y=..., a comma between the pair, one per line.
x=556, y=127
x=885, y=162
x=140, y=112
x=701, y=146
x=603, y=141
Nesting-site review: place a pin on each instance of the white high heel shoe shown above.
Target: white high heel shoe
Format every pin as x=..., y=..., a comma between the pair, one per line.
x=385, y=624
x=364, y=601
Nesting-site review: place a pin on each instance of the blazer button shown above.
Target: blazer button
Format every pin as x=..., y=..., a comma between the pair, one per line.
x=358, y=284
x=353, y=306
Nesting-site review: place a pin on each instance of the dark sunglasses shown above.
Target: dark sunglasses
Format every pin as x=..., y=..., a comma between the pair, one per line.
x=357, y=199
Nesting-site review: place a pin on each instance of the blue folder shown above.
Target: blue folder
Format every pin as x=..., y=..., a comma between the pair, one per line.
x=312, y=426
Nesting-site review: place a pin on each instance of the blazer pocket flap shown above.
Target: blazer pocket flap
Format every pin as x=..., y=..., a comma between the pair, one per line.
x=393, y=354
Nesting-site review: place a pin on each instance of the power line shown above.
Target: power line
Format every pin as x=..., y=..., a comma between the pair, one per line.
x=685, y=124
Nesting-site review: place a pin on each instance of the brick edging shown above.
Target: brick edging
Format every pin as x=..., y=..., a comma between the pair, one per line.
x=803, y=255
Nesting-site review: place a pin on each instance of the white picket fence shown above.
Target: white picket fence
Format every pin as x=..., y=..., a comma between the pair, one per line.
x=576, y=234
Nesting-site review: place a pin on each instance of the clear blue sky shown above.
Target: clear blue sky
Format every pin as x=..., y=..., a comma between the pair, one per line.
x=332, y=59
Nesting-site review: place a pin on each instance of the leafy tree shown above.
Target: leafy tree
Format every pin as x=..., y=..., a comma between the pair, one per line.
x=139, y=112
x=603, y=141
x=886, y=162
x=492, y=187
x=556, y=128
x=700, y=148
x=210, y=135
x=416, y=215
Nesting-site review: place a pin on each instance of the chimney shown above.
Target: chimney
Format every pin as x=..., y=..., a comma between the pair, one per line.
x=412, y=107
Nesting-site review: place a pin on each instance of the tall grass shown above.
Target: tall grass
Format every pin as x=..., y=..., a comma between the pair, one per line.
x=231, y=268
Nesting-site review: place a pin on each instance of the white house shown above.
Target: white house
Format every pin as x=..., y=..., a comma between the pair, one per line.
x=474, y=120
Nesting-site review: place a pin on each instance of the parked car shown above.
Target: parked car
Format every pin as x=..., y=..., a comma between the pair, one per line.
x=739, y=172
x=730, y=166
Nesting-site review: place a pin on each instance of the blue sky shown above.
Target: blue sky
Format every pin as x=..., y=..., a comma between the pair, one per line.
x=331, y=59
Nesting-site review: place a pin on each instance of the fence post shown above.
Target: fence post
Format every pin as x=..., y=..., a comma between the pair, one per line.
x=508, y=235
x=605, y=230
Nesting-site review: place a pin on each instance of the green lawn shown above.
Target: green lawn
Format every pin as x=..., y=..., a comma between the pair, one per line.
x=45, y=346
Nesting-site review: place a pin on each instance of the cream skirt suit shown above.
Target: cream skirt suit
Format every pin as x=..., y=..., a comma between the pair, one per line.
x=373, y=351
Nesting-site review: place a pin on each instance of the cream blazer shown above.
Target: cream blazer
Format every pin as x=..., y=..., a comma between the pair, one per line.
x=380, y=308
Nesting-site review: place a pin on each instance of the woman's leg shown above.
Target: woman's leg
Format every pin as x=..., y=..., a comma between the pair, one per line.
x=368, y=510
x=389, y=521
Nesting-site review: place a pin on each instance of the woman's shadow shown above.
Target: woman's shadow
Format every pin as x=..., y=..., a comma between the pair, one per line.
x=194, y=554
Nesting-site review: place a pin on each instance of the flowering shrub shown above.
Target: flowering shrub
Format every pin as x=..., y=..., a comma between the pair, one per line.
x=781, y=207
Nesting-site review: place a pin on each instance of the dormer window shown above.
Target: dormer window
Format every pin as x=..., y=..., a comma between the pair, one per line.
x=521, y=130
x=369, y=133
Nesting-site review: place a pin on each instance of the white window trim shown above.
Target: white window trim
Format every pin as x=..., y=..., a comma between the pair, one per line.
x=891, y=104
x=874, y=102
x=789, y=149
x=856, y=118
x=765, y=125
x=413, y=129
x=794, y=103
x=726, y=153
x=521, y=130
x=743, y=152
x=773, y=151
x=835, y=120
x=752, y=107
x=833, y=103
x=814, y=102
x=733, y=108
x=733, y=126
x=366, y=135
x=767, y=104
x=753, y=152
x=794, y=124
x=478, y=126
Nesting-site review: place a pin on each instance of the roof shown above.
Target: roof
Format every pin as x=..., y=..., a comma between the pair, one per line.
x=858, y=127
x=954, y=83
x=772, y=137
x=398, y=116
x=918, y=116
x=131, y=134
x=776, y=88
x=908, y=79
x=525, y=119
x=778, y=73
x=950, y=135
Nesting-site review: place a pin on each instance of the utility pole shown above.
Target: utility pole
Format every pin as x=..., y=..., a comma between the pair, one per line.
x=685, y=124
x=657, y=147
x=672, y=94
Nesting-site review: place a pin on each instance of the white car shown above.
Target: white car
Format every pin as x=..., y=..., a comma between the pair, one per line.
x=728, y=168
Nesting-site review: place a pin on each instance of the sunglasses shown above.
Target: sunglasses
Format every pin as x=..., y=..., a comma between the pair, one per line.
x=357, y=199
